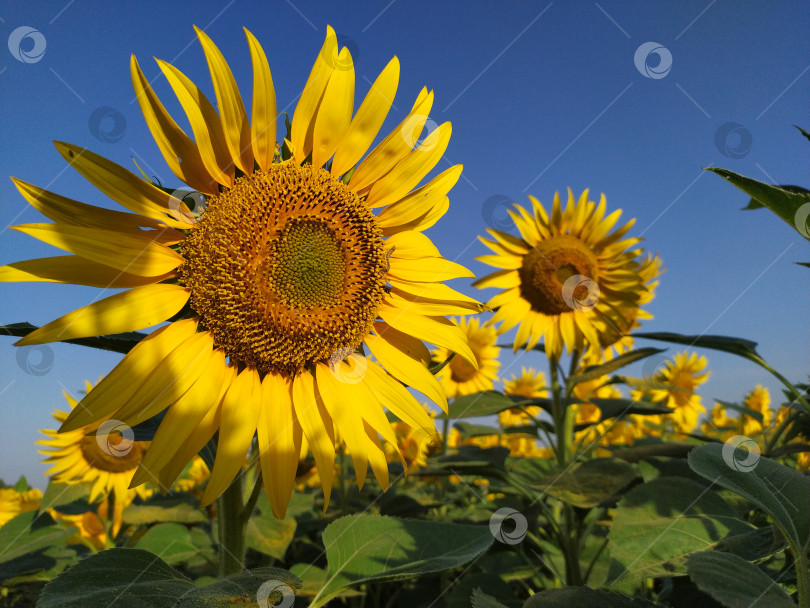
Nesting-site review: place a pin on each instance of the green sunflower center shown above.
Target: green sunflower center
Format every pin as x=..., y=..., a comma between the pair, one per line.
x=559, y=275
x=286, y=269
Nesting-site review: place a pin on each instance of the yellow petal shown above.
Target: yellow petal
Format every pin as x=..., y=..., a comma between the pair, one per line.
x=502, y=260
x=234, y=119
x=124, y=380
x=429, y=307
x=426, y=269
x=391, y=347
x=124, y=187
x=376, y=457
x=303, y=123
x=435, y=330
x=178, y=149
x=279, y=442
x=317, y=426
x=205, y=124
x=424, y=221
x=263, y=121
x=335, y=112
x=130, y=310
x=396, y=398
x=421, y=201
x=411, y=244
x=505, y=279
x=130, y=253
x=368, y=120
x=396, y=146
x=75, y=270
x=433, y=291
x=238, y=420
x=336, y=395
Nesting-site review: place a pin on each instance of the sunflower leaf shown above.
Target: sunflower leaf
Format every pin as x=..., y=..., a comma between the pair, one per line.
x=593, y=372
x=736, y=346
x=257, y=587
x=117, y=343
x=30, y=532
x=583, y=597
x=371, y=548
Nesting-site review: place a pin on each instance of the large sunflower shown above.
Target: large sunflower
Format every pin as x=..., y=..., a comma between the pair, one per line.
x=567, y=279
x=273, y=292
x=98, y=454
x=460, y=377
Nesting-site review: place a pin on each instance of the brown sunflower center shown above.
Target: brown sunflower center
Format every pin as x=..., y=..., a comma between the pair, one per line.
x=113, y=453
x=557, y=274
x=287, y=268
x=462, y=370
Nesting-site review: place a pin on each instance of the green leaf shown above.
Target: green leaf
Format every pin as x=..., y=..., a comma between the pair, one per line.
x=755, y=204
x=468, y=430
x=734, y=582
x=117, y=578
x=588, y=484
x=803, y=132
x=117, y=343
x=263, y=587
x=269, y=535
x=612, y=408
x=472, y=457
x=637, y=453
x=169, y=540
x=583, y=597
x=479, y=599
x=780, y=491
x=29, y=532
x=21, y=485
x=736, y=346
x=68, y=499
x=597, y=371
x=180, y=508
x=479, y=404
x=782, y=202
x=371, y=548
x=658, y=524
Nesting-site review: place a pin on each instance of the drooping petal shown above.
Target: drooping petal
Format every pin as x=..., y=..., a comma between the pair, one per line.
x=396, y=398
x=317, y=427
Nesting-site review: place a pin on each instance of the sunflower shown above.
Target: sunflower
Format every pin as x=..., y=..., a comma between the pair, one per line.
x=460, y=377
x=530, y=384
x=758, y=400
x=299, y=261
x=13, y=502
x=99, y=454
x=567, y=279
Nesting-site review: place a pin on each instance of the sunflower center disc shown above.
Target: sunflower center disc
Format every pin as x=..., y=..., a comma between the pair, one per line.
x=286, y=269
x=113, y=452
x=548, y=266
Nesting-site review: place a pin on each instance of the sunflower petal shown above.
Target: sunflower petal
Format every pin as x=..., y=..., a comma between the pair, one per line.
x=335, y=112
x=396, y=398
x=130, y=310
x=317, y=427
x=426, y=269
x=421, y=201
x=376, y=457
x=263, y=121
x=74, y=270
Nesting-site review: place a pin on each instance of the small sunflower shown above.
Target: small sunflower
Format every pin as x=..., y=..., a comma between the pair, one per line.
x=460, y=377
x=758, y=400
x=530, y=384
x=414, y=447
x=567, y=280
x=12, y=503
x=107, y=460
x=299, y=260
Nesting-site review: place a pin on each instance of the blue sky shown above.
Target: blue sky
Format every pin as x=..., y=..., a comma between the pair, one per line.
x=542, y=96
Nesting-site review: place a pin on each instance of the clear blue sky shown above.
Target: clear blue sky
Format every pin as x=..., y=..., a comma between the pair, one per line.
x=542, y=96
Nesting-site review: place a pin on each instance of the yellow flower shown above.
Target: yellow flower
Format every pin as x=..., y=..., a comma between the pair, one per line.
x=566, y=280
x=194, y=477
x=530, y=384
x=720, y=425
x=12, y=503
x=758, y=400
x=685, y=373
x=414, y=447
x=294, y=265
x=589, y=413
x=91, y=525
x=99, y=454
x=460, y=377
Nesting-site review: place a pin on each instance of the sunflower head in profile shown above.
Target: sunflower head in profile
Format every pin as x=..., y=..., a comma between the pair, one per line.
x=297, y=282
x=567, y=279
x=461, y=377
x=102, y=454
x=758, y=400
x=13, y=502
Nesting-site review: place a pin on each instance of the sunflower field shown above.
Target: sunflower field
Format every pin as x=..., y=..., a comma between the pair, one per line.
x=312, y=406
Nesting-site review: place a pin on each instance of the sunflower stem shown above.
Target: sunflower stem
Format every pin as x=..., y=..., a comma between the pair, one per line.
x=250, y=505
x=231, y=530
